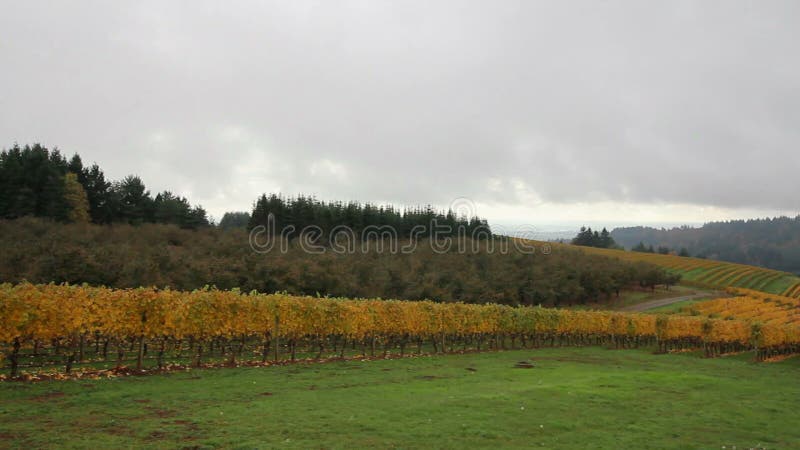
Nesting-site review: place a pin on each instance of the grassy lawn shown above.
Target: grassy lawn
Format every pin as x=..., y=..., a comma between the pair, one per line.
x=572, y=398
x=676, y=307
x=634, y=297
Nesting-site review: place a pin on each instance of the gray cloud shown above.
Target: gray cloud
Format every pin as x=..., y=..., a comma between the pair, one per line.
x=408, y=102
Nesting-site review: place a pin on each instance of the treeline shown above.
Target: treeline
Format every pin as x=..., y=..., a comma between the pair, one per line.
x=292, y=216
x=588, y=238
x=36, y=181
x=771, y=242
x=124, y=256
x=661, y=250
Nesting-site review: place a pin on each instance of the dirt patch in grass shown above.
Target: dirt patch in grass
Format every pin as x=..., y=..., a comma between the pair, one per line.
x=577, y=359
x=191, y=429
x=157, y=412
x=163, y=413
x=429, y=377
x=778, y=358
x=6, y=436
x=119, y=430
x=187, y=424
x=138, y=374
x=48, y=396
x=157, y=435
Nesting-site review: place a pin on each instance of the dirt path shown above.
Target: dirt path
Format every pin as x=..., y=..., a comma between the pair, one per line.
x=639, y=307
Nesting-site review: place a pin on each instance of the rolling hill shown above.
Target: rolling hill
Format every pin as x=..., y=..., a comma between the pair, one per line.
x=711, y=273
x=770, y=242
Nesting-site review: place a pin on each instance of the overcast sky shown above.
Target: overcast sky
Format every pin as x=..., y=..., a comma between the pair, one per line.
x=545, y=113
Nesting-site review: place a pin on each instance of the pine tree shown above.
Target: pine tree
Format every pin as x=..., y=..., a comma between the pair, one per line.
x=134, y=200
x=606, y=241
x=98, y=190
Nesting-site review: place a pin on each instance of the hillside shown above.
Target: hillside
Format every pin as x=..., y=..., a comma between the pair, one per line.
x=710, y=273
x=126, y=256
x=772, y=243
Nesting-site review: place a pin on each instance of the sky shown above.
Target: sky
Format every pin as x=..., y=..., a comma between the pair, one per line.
x=552, y=114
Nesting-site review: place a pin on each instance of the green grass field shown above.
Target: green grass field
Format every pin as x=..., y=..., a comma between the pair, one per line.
x=630, y=297
x=676, y=307
x=572, y=398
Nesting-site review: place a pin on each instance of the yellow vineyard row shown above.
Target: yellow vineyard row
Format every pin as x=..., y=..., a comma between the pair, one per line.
x=752, y=306
x=32, y=314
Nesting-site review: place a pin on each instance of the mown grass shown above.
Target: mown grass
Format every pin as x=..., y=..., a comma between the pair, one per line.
x=630, y=297
x=572, y=398
x=676, y=307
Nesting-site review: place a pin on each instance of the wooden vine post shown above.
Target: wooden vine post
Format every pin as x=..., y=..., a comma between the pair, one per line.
x=277, y=338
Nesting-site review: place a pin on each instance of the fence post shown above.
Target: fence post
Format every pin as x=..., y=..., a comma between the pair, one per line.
x=277, y=338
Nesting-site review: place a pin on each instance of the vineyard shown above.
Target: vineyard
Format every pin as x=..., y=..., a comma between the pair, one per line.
x=753, y=306
x=51, y=326
x=711, y=273
x=771, y=314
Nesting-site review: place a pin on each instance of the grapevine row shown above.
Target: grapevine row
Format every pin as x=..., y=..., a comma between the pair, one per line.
x=59, y=324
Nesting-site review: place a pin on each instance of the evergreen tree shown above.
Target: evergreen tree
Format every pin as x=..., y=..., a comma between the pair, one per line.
x=588, y=238
x=304, y=211
x=606, y=241
x=98, y=191
x=133, y=199
x=584, y=238
x=33, y=182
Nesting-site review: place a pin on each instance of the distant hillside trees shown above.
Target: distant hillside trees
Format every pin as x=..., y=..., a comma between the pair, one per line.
x=305, y=211
x=36, y=181
x=641, y=248
x=771, y=242
x=588, y=238
x=122, y=256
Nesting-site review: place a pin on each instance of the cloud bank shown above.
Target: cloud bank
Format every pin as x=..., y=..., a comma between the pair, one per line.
x=661, y=111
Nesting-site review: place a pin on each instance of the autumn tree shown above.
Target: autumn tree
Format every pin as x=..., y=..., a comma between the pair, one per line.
x=76, y=198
